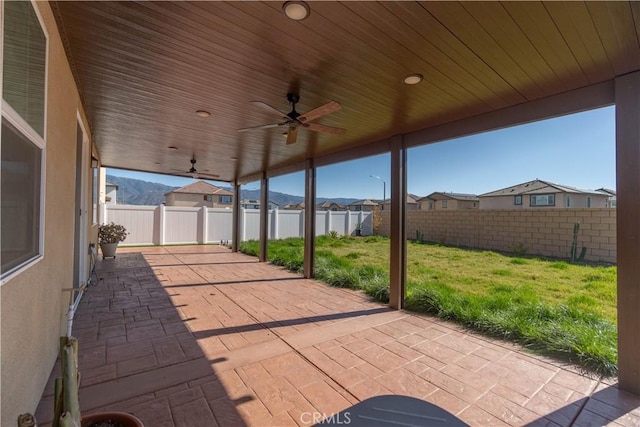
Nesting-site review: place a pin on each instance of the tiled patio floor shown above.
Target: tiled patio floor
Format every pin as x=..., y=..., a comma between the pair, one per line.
x=199, y=336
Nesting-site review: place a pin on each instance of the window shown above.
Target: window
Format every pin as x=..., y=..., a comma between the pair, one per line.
x=358, y=208
x=207, y=197
x=334, y=209
x=23, y=128
x=612, y=203
x=444, y=204
x=568, y=201
x=225, y=200
x=517, y=200
x=543, y=200
x=588, y=201
x=474, y=204
x=430, y=205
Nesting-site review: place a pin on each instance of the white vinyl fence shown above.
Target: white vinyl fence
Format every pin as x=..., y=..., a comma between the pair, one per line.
x=167, y=225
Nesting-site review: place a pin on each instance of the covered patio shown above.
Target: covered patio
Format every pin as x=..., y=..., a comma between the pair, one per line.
x=199, y=335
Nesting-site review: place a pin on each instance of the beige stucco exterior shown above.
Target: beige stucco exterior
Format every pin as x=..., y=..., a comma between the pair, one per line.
x=576, y=200
x=195, y=200
x=33, y=302
x=452, y=205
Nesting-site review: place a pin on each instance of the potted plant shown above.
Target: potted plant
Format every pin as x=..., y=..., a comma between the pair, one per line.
x=109, y=236
x=66, y=406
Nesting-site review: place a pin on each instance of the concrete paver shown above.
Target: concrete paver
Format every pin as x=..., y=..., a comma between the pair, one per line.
x=200, y=336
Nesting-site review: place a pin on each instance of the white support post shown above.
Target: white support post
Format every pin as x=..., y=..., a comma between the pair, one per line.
x=204, y=222
x=360, y=219
x=161, y=224
x=347, y=226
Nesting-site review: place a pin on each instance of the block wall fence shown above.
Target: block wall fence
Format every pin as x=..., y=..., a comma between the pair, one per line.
x=545, y=232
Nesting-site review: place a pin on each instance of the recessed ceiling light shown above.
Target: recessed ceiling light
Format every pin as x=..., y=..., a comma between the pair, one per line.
x=172, y=147
x=413, y=79
x=157, y=163
x=203, y=113
x=233, y=158
x=296, y=10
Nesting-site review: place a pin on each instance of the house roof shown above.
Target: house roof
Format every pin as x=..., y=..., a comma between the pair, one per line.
x=110, y=184
x=607, y=191
x=365, y=202
x=442, y=195
x=411, y=199
x=202, y=187
x=330, y=203
x=537, y=186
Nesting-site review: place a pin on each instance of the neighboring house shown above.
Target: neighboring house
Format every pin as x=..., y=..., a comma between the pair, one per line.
x=538, y=193
x=412, y=203
x=255, y=204
x=440, y=200
x=365, y=205
x=330, y=206
x=294, y=206
x=611, y=201
x=111, y=193
x=200, y=193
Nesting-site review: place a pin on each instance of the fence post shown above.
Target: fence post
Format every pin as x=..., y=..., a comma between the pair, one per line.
x=328, y=223
x=243, y=224
x=275, y=217
x=347, y=224
x=360, y=219
x=203, y=237
x=103, y=213
x=302, y=223
x=161, y=226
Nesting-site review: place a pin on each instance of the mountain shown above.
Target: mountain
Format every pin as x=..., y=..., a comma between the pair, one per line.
x=137, y=192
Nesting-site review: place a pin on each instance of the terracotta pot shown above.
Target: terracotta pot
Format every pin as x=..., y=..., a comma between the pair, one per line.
x=127, y=420
x=108, y=250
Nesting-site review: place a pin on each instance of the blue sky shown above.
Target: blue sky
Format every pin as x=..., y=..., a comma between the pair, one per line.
x=576, y=150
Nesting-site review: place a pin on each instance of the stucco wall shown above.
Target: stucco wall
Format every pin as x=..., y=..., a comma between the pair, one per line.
x=542, y=231
x=577, y=201
x=33, y=303
x=194, y=200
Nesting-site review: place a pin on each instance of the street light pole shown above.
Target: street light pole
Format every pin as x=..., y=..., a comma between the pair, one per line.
x=384, y=187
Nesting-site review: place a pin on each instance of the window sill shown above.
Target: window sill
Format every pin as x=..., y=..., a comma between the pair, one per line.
x=18, y=270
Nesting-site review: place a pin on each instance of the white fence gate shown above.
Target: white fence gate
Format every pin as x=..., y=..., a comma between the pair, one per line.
x=170, y=225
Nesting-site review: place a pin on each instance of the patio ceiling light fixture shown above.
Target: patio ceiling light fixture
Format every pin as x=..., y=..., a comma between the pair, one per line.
x=203, y=113
x=296, y=10
x=413, y=79
x=172, y=147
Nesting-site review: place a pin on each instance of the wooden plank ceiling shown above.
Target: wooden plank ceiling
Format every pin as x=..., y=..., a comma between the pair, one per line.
x=145, y=68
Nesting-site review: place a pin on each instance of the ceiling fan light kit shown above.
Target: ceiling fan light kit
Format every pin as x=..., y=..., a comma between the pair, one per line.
x=294, y=120
x=296, y=10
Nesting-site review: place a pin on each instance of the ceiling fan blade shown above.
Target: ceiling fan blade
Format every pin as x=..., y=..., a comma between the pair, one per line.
x=322, y=110
x=292, y=135
x=317, y=127
x=268, y=107
x=270, y=125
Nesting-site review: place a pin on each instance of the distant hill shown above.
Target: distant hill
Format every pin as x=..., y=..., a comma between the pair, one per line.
x=138, y=192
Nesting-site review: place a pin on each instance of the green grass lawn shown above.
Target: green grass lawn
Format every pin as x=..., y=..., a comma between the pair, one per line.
x=557, y=308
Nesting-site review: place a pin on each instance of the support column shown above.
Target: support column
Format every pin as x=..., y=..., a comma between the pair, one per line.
x=264, y=217
x=627, y=95
x=398, y=252
x=309, y=219
x=235, y=227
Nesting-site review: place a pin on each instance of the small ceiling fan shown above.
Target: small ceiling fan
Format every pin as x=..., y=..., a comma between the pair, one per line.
x=194, y=172
x=293, y=120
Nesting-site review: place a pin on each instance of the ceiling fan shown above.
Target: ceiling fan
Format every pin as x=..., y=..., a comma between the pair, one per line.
x=294, y=120
x=194, y=172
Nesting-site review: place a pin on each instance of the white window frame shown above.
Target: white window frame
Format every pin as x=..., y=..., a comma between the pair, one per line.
x=568, y=203
x=535, y=197
x=517, y=200
x=9, y=114
x=444, y=204
x=588, y=201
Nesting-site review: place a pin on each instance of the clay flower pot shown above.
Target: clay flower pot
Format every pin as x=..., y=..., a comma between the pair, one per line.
x=111, y=419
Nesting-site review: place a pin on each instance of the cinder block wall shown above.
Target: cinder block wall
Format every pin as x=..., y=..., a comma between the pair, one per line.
x=546, y=232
